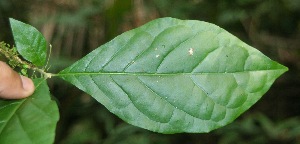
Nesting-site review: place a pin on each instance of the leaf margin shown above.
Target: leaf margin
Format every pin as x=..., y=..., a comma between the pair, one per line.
x=64, y=74
x=30, y=43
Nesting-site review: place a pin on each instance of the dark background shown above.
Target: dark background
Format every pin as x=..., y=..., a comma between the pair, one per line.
x=76, y=27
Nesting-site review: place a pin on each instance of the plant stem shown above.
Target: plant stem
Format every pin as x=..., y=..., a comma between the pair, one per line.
x=13, y=57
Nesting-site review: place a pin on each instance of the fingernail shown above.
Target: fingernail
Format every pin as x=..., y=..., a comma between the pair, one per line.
x=27, y=84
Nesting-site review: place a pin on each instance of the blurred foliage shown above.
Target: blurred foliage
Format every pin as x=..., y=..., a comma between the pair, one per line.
x=76, y=27
x=259, y=129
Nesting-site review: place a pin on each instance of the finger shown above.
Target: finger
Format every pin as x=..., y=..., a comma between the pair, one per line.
x=12, y=85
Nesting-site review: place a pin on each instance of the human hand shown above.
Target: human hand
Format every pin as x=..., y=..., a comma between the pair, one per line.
x=12, y=85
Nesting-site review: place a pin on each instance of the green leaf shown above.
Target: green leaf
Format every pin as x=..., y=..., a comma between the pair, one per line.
x=30, y=120
x=174, y=76
x=30, y=43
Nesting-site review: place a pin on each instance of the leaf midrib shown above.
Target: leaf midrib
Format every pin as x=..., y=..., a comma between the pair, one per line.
x=19, y=104
x=158, y=74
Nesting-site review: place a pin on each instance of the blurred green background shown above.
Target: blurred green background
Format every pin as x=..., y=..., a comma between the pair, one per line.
x=76, y=27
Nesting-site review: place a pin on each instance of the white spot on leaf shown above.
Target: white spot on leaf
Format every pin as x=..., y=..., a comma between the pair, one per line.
x=191, y=51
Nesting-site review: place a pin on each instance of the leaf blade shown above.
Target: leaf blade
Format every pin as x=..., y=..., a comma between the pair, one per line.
x=30, y=120
x=167, y=76
x=30, y=43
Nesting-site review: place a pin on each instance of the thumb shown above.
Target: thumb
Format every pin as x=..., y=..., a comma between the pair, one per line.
x=12, y=85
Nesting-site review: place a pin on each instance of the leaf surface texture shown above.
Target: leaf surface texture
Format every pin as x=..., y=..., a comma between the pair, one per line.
x=30, y=43
x=173, y=76
x=31, y=120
